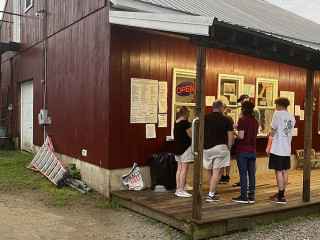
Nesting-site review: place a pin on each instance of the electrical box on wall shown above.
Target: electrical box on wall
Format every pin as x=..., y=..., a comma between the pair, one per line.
x=43, y=118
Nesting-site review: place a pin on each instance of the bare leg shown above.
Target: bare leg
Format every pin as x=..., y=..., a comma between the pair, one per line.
x=280, y=180
x=227, y=170
x=214, y=179
x=178, y=174
x=183, y=175
x=285, y=178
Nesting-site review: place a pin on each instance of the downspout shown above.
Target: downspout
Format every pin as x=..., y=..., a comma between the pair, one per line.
x=43, y=13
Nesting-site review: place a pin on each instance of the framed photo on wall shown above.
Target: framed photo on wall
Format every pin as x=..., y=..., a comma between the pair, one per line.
x=267, y=92
x=230, y=88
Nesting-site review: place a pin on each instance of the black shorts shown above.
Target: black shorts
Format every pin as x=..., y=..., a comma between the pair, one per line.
x=279, y=163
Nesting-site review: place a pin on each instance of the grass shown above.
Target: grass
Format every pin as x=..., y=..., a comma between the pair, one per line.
x=14, y=175
x=110, y=205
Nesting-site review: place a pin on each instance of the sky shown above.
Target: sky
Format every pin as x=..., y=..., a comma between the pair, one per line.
x=306, y=8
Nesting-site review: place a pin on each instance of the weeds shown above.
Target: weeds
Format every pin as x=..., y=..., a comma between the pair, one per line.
x=110, y=205
x=14, y=175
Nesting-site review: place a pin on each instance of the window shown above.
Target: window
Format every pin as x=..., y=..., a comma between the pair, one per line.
x=183, y=93
x=230, y=88
x=27, y=5
x=267, y=92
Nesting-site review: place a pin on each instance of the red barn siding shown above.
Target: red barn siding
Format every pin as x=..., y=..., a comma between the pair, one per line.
x=137, y=54
x=77, y=76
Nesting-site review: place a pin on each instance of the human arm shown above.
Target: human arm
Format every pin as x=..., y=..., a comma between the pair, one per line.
x=189, y=132
x=270, y=139
x=230, y=139
x=240, y=129
x=239, y=134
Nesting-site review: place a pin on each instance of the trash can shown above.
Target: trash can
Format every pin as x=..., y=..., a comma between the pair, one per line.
x=163, y=168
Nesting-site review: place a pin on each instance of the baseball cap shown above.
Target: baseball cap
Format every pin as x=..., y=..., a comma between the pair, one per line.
x=243, y=96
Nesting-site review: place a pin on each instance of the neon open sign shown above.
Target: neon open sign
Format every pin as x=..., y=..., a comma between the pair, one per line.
x=185, y=89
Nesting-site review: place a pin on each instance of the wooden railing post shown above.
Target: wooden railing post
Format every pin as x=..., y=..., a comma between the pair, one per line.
x=308, y=136
x=200, y=107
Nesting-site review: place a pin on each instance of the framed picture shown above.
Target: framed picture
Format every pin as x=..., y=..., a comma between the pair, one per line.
x=230, y=88
x=267, y=92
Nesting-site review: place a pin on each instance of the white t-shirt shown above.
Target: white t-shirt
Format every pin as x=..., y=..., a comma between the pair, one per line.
x=283, y=122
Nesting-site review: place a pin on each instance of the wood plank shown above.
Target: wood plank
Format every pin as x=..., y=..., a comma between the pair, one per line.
x=177, y=212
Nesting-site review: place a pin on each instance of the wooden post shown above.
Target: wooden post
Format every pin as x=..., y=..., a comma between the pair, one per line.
x=308, y=112
x=200, y=105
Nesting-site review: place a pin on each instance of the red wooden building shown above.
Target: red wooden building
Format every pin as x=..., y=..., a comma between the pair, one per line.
x=76, y=59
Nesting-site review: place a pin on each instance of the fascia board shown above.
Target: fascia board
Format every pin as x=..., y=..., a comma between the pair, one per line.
x=195, y=25
x=129, y=5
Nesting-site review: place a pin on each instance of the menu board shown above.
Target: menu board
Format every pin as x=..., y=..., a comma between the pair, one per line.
x=163, y=95
x=144, y=101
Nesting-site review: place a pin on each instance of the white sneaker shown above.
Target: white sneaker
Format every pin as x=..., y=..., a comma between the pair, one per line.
x=176, y=192
x=183, y=194
x=188, y=188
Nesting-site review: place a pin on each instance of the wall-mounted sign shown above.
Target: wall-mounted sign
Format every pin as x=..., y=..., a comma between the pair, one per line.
x=185, y=89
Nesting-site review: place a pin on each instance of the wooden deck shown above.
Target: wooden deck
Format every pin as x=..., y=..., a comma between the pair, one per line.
x=226, y=216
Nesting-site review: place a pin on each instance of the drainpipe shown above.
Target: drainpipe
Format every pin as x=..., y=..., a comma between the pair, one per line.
x=43, y=14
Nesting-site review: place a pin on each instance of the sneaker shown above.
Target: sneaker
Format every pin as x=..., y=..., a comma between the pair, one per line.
x=240, y=199
x=183, y=194
x=251, y=200
x=273, y=196
x=215, y=198
x=176, y=192
x=237, y=184
x=226, y=180
x=282, y=200
x=188, y=188
x=222, y=179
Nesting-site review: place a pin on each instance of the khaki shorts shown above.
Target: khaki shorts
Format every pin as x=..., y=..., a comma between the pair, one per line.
x=185, y=157
x=216, y=157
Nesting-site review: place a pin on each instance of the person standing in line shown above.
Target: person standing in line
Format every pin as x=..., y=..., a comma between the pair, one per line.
x=182, y=133
x=279, y=146
x=216, y=149
x=225, y=172
x=242, y=99
x=246, y=152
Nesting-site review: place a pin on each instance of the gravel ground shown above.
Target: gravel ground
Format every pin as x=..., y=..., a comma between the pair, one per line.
x=24, y=215
x=304, y=229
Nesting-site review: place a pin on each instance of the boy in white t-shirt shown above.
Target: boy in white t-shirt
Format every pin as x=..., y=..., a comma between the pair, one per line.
x=279, y=146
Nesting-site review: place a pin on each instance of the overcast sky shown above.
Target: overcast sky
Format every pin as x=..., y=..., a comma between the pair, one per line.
x=308, y=9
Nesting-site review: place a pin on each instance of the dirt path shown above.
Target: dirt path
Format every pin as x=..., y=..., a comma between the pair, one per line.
x=23, y=215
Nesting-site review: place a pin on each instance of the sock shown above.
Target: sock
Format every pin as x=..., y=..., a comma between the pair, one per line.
x=281, y=194
x=211, y=194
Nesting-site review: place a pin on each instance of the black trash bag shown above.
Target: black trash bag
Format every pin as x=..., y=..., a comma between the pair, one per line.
x=163, y=168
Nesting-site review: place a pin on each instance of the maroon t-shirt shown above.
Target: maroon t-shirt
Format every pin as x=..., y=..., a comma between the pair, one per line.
x=250, y=127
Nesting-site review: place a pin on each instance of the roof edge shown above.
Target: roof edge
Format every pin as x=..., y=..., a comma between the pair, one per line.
x=193, y=25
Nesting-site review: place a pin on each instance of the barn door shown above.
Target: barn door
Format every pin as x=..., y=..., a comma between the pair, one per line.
x=27, y=116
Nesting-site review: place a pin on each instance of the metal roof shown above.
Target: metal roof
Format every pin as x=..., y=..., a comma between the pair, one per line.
x=256, y=15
